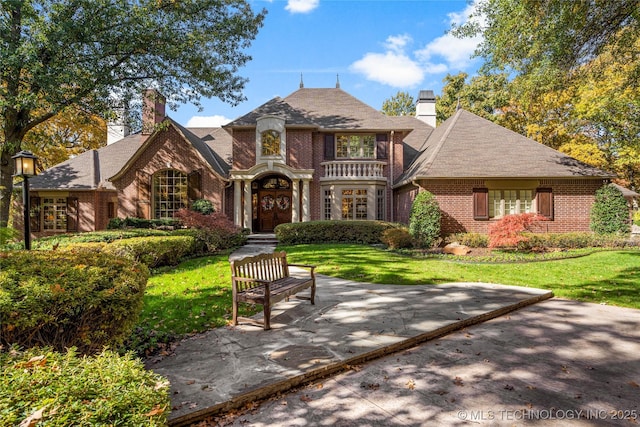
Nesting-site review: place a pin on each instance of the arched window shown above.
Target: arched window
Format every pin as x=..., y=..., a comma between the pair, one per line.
x=169, y=193
x=270, y=143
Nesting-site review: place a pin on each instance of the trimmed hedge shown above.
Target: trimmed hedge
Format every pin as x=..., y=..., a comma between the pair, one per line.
x=424, y=220
x=62, y=299
x=609, y=212
x=359, y=232
x=43, y=387
x=153, y=251
x=575, y=240
x=131, y=222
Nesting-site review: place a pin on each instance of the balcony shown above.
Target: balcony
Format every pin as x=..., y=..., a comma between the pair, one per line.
x=353, y=170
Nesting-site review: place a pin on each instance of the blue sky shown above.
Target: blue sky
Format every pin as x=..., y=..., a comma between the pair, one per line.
x=375, y=47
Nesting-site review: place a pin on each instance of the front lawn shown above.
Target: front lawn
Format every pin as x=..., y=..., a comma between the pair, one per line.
x=196, y=295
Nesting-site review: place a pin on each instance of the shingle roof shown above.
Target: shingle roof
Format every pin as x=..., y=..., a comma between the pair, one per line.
x=321, y=108
x=89, y=170
x=468, y=146
x=92, y=169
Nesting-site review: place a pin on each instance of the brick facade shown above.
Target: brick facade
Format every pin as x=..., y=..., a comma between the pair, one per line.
x=572, y=201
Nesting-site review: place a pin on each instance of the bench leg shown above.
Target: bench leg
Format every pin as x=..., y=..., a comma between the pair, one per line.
x=267, y=317
x=235, y=313
x=313, y=292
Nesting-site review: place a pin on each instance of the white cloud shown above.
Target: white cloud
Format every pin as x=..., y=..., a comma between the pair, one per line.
x=390, y=68
x=207, y=121
x=395, y=67
x=301, y=6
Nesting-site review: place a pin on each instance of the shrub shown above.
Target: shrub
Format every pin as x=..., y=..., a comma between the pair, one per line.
x=153, y=251
x=203, y=206
x=131, y=222
x=473, y=240
x=63, y=299
x=510, y=230
x=43, y=387
x=359, y=232
x=106, y=236
x=397, y=238
x=7, y=234
x=424, y=220
x=212, y=232
x=636, y=218
x=609, y=213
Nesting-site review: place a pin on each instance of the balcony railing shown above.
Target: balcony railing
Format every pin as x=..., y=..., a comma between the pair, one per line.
x=353, y=169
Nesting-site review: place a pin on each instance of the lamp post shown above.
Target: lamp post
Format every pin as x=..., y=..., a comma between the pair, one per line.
x=25, y=166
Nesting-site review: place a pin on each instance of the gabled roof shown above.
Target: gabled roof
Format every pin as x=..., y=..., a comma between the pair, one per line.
x=323, y=109
x=468, y=146
x=93, y=169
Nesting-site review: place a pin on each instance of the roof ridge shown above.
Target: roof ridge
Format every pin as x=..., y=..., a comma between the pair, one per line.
x=442, y=140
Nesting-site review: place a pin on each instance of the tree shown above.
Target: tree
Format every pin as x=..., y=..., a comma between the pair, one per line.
x=401, y=104
x=58, y=54
x=609, y=213
x=424, y=220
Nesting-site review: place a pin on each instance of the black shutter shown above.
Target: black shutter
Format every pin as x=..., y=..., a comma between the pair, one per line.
x=481, y=204
x=329, y=147
x=72, y=214
x=34, y=214
x=194, y=186
x=381, y=146
x=544, y=202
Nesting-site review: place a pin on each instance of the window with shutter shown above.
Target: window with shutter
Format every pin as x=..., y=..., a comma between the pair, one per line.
x=480, y=203
x=144, y=194
x=194, y=185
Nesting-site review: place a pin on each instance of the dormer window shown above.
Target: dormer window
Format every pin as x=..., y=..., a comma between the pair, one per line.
x=270, y=143
x=271, y=140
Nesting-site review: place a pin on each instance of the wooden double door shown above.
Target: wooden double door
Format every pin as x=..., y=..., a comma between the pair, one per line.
x=273, y=203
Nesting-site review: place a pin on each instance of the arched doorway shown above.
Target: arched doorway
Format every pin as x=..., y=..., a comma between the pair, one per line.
x=271, y=202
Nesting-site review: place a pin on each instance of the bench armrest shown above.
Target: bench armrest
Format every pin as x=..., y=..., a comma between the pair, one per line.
x=302, y=265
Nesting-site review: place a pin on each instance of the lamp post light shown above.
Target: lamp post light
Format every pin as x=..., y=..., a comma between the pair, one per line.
x=25, y=166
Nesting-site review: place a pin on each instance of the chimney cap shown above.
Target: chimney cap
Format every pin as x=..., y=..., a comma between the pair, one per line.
x=426, y=96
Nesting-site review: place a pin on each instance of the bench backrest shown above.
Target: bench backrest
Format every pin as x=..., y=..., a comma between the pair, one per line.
x=270, y=267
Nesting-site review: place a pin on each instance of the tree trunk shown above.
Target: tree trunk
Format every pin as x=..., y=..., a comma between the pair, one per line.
x=6, y=186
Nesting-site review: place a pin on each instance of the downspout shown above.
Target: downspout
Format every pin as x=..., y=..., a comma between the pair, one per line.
x=391, y=178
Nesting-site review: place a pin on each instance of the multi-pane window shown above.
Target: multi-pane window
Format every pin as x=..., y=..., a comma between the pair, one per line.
x=54, y=213
x=169, y=193
x=380, y=204
x=355, y=146
x=270, y=143
x=507, y=202
x=327, y=204
x=354, y=204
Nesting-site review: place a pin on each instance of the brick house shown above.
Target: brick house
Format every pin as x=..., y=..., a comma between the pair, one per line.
x=317, y=154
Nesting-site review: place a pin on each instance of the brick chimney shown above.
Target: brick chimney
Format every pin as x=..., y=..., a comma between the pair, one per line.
x=153, y=110
x=426, y=107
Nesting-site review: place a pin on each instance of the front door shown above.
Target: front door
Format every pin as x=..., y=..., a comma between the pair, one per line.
x=274, y=203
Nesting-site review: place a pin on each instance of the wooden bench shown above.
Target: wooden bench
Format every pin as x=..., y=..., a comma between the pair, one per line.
x=264, y=279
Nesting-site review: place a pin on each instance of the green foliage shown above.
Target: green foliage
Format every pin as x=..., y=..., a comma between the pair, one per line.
x=401, y=104
x=397, y=238
x=472, y=240
x=63, y=389
x=62, y=299
x=636, y=218
x=212, y=232
x=153, y=251
x=203, y=206
x=364, y=232
x=132, y=222
x=424, y=220
x=7, y=234
x=609, y=213
x=192, y=297
x=44, y=45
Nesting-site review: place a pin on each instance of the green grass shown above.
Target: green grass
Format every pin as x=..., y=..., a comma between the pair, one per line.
x=196, y=295
x=608, y=277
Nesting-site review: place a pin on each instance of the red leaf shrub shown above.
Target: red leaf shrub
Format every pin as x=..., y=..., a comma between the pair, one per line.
x=508, y=231
x=215, y=231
